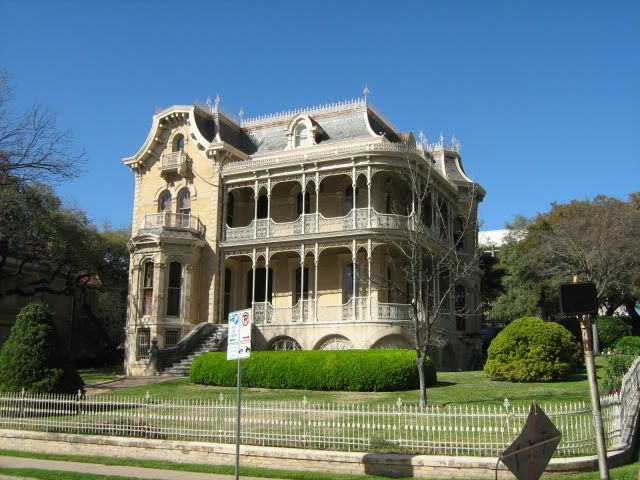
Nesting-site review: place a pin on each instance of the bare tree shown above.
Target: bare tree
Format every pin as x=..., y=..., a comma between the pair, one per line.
x=32, y=146
x=434, y=259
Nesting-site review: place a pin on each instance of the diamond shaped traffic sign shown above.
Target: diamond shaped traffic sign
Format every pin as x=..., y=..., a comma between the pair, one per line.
x=529, y=454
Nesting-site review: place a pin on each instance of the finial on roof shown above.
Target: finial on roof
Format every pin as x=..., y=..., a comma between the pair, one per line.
x=208, y=103
x=422, y=139
x=455, y=144
x=366, y=93
x=216, y=102
x=241, y=114
x=441, y=140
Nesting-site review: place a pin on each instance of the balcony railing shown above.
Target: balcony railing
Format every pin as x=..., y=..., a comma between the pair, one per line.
x=357, y=219
x=174, y=161
x=174, y=221
x=354, y=310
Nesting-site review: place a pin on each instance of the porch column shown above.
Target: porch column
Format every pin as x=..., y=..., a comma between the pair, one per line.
x=222, y=284
x=253, y=282
x=369, y=276
x=354, y=275
x=315, y=283
x=302, y=283
x=225, y=198
x=255, y=212
x=369, y=196
x=317, y=203
x=304, y=191
x=354, y=196
x=268, y=207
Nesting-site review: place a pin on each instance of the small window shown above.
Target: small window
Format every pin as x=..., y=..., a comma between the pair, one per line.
x=164, y=203
x=301, y=135
x=147, y=288
x=178, y=143
x=184, y=201
x=143, y=343
x=173, y=290
x=171, y=337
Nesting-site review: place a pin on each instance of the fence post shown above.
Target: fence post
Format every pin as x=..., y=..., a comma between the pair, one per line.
x=147, y=396
x=78, y=409
x=22, y=401
x=304, y=421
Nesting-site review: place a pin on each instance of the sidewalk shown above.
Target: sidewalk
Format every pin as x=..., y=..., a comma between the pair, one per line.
x=132, y=472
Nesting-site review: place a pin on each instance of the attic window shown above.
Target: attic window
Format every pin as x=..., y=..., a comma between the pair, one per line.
x=301, y=135
x=178, y=143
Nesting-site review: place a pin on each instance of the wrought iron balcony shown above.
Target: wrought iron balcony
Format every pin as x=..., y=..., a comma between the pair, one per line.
x=174, y=162
x=173, y=221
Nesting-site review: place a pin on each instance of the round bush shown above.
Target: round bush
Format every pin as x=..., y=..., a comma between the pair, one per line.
x=346, y=370
x=610, y=330
x=30, y=357
x=628, y=345
x=532, y=350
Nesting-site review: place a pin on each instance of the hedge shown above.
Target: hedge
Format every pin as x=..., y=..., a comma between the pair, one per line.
x=344, y=370
x=629, y=345
x=532, y=350
x=610, y=330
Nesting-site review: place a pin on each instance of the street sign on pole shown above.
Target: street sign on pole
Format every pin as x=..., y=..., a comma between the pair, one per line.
x=239, y=347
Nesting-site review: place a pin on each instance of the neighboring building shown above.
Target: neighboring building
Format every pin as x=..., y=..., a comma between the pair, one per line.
x=289, y=214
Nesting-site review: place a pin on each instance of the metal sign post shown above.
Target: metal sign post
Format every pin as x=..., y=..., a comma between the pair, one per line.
x=239, y=347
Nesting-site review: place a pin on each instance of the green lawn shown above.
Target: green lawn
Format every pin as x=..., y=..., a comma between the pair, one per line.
x=453, y=387
x=91, y=376
x=628, y=472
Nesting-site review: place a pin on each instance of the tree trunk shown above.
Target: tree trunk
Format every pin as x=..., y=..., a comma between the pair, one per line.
x=420, y=358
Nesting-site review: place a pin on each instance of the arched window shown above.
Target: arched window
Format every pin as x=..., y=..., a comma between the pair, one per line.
x=458, y=231
x=285, y=343
x=301, y=135
x=178, y=143
x=231, y=206
x=173, y=289
x=307, y=203
x=349, y=200
x=263, y=206
x=147, y=288
x=184, y=201
x=164, y=203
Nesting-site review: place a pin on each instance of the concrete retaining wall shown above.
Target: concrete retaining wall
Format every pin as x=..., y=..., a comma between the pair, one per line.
x=392, y=465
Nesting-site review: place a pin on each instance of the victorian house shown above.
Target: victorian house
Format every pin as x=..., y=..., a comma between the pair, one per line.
x=290, y=215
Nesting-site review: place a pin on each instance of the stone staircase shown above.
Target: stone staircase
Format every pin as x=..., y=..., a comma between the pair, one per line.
x=213, y=342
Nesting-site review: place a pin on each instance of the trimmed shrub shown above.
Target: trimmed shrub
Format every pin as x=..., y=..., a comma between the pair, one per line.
x=30, y=357
x=346, y=370
x=532, y=350
x=628, y=345
x=610, y=330
x=614, y=370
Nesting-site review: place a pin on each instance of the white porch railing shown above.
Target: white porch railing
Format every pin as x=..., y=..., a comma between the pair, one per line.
x=471, y=430
x=323, y=225
x=266, y=313
x=177, y=221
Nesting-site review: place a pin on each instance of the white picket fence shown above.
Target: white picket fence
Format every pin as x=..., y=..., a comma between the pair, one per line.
x=480, y=430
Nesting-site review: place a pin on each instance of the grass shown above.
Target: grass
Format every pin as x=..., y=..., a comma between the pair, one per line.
x=452, y=388
x=92, y=376
x=627, y=472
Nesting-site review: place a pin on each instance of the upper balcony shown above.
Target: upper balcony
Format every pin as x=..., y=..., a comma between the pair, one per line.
x=173, y=221
x=174, y=162
x=312, y=223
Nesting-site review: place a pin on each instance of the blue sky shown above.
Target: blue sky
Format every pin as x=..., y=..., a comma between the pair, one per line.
x=544, y=96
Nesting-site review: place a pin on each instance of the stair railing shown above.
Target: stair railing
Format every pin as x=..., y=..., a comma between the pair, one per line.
x=188, y=343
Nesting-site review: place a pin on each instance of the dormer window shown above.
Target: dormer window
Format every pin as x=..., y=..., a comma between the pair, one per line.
x=178, y=143
x=301, y=138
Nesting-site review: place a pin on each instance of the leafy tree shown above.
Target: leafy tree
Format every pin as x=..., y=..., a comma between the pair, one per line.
x=610, y=330
x=32, y=359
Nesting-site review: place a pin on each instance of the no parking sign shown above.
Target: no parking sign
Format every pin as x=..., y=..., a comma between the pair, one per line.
x=239, y=339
